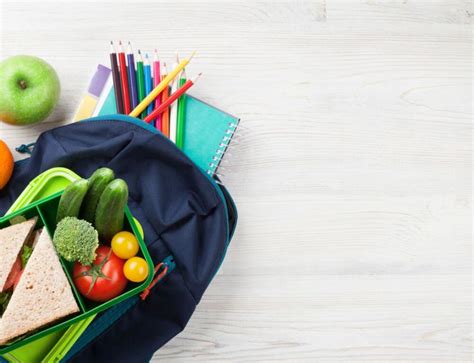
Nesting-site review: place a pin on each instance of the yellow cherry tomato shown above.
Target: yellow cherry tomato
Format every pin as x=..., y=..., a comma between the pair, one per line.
x=125, y=245
x=135, y=269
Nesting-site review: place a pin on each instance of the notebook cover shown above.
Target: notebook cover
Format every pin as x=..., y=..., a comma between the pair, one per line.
x=207, y=133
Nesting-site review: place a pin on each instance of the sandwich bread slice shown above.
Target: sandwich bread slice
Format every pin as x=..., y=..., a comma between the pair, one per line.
x=12, y=239
x=42, y=296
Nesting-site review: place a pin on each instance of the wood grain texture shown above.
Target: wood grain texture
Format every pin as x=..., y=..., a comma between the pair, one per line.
x=353, y=173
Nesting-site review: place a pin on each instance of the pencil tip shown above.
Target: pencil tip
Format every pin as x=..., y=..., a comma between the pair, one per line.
x=192, y=55
x=139, y=52
x=120, y=42
x=197, y=77
x=111, y=42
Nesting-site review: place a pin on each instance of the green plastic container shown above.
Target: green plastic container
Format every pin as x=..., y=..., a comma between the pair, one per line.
x=52, y=347
x=45, y=210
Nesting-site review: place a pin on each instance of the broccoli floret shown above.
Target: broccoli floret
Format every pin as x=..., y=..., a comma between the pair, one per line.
x=76, y=240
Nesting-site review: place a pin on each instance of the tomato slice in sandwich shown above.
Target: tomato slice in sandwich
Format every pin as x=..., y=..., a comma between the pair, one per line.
x=14, y=275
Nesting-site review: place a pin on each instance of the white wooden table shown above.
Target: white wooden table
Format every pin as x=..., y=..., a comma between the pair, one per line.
x=352, y=178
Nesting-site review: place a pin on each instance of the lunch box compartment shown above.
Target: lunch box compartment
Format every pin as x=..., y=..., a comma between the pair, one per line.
x=48, y=213
x=46, y=210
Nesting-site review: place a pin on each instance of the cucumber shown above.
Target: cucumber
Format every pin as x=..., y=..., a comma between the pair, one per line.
x=110, y=211
x=97, y=183
x=71, y=199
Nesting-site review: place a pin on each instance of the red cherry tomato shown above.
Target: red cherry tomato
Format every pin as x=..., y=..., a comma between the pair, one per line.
x=102, y=281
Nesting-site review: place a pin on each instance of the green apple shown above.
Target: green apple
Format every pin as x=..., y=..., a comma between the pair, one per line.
x=29, y=90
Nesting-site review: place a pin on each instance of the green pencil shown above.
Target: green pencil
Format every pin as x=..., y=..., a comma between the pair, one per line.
x=140, y=81
x=181, y=114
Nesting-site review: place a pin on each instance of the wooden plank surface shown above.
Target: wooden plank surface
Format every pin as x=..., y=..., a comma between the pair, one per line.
x=353, y=173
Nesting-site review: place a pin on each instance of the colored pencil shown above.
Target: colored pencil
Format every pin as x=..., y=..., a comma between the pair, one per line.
x=124, y=80
x=165, y=116
x=173, y=112
x=174, y=106
x=116, y=78
x=169, y=101
x=156, y=81
x=132, y=77
x=161, y=86
x=181, y=114
x=140, y=82
x=148, y=82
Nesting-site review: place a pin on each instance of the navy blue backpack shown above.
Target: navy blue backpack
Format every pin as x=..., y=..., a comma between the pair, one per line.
x=188, y=219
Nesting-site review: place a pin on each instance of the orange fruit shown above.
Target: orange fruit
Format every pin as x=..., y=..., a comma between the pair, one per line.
x=6, y=164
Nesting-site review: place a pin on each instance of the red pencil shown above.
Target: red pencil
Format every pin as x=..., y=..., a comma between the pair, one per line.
x=157, y=111
x=124, y=80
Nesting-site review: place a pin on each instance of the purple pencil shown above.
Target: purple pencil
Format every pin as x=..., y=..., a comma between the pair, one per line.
x=116, y=78
x=132, y=78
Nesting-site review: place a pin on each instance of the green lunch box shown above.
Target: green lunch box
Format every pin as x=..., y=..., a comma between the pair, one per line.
x=45, y=209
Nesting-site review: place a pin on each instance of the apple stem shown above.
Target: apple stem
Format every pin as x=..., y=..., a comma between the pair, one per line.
x=22, y=84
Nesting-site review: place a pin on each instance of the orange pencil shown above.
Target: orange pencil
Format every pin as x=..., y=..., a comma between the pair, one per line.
x=165, y=116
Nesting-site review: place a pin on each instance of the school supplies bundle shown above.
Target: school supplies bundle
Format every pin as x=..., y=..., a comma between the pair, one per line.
x=203, y=132
x=133, y=88
x=182, y=219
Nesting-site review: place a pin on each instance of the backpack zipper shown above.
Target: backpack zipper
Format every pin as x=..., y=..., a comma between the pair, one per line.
x=160, y=272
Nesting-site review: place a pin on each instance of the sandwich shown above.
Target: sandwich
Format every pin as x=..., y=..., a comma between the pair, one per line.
x=13, y=250
x=42, y=294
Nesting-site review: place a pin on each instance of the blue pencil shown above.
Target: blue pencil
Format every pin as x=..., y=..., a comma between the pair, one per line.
x=148, y=82
x=132, y=78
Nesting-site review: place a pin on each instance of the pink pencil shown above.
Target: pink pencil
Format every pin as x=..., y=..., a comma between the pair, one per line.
x=156, y=81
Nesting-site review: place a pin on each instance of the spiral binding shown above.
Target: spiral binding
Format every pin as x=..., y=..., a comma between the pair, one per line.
x=223, y=148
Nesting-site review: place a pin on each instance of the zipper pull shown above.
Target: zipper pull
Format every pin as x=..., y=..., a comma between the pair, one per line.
x=25, y=148
x=160, y=271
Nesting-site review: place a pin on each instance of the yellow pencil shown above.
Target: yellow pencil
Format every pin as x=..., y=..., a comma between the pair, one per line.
x=158, y=89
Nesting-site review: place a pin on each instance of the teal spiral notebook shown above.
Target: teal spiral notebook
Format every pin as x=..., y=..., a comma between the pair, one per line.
x=207, y=132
